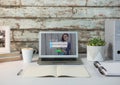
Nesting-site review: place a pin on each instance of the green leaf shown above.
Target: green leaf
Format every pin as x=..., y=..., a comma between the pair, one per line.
x=96, y=42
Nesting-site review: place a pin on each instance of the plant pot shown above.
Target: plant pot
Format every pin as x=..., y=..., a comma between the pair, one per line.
x=95, y=53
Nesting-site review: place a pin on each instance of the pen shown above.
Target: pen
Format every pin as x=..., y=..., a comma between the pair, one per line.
x=19, y=72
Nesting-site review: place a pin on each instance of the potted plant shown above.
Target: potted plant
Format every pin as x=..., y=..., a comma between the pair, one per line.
x=95, y=49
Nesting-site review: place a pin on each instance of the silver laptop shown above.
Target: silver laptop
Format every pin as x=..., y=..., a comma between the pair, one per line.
x=58, y=47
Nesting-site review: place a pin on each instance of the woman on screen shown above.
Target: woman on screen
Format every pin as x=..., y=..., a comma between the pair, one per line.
x=65, y=51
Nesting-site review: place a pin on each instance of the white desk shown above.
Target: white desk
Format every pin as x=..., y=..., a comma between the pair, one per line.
x=9, y=70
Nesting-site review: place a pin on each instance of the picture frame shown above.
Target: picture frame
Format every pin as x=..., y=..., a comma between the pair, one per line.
x=4, y=39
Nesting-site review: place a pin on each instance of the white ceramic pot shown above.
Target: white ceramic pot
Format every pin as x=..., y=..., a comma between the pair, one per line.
x=95, y=53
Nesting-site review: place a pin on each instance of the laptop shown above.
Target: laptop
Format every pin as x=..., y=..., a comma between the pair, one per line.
x=58, y=47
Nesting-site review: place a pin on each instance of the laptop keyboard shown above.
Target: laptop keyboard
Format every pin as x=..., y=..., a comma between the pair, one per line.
x=59, y=62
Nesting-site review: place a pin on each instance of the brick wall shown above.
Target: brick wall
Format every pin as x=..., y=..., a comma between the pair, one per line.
x=27, y=17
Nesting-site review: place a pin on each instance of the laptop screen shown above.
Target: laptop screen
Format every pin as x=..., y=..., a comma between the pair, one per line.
x=58, y=44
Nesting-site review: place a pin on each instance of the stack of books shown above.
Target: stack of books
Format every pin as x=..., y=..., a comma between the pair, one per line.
x=13, y=56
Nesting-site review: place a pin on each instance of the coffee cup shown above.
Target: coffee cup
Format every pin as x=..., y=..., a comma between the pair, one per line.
x=27, y=54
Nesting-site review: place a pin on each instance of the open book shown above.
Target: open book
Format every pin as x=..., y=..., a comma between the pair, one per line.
x=108, y=69
x=55, y=71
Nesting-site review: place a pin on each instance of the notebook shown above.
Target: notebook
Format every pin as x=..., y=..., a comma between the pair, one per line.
x=108, y=69
x=55, y=71
x=58, y=47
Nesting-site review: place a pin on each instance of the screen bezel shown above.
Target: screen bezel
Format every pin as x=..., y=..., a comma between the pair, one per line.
x=58, y=56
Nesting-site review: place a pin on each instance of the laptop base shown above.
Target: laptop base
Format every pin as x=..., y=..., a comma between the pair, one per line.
x=59, y=61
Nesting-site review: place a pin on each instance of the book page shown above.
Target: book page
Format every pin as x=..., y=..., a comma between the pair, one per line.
x=112, y=68
x=39, y=71
x=72, y=71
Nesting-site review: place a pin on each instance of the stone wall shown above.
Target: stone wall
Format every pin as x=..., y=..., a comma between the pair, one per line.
x=27, y=17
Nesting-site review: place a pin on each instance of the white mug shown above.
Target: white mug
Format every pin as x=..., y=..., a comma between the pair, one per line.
x=27, y=54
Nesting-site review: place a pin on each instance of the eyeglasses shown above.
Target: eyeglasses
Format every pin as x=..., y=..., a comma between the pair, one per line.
x=101, y=69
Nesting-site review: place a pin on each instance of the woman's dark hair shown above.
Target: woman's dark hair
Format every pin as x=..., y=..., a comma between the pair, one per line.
x=62, y=39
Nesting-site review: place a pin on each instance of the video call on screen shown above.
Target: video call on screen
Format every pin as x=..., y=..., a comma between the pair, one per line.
x=58, y=44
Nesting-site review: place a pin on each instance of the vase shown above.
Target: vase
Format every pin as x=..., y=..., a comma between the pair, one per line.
x=95, y=53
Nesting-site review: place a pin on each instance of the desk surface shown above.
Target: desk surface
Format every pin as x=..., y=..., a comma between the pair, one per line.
x=9, y=70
